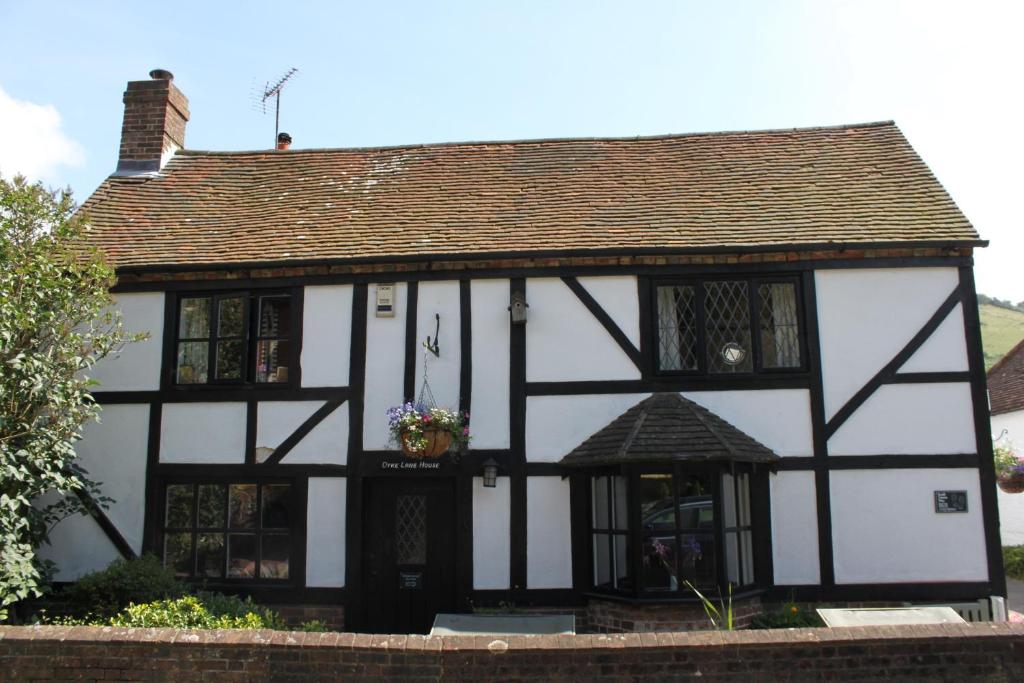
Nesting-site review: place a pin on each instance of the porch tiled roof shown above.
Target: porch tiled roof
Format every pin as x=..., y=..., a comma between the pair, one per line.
x=1006, y=382
x=666, y=427
x=847, y=185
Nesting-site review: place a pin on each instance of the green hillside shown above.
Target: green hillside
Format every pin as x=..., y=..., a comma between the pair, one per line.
x=1001, y=329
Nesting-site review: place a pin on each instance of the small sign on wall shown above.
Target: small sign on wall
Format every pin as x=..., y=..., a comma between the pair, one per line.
x=950, y=501
x=385, y=300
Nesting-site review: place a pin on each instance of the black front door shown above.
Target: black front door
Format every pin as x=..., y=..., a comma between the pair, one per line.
x=409, y=553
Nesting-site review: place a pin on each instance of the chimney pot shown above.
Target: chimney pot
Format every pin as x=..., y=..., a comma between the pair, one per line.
x=161, y=75
x=284, y=141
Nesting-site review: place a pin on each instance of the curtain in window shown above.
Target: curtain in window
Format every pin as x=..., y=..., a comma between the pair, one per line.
x=779, y=328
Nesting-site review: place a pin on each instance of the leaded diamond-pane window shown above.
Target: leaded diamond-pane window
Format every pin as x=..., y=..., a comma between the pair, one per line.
x=722, y=327
x=727, y=326
x=411, y=530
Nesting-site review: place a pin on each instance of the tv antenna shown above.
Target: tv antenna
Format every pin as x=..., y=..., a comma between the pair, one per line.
x=273, y=91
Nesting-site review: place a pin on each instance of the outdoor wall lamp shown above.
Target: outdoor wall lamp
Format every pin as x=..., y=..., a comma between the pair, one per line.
x=490, y=473
x=518, y=307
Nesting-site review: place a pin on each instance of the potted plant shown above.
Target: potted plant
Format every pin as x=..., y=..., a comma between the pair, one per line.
x=1009, y=469
x=427, y=432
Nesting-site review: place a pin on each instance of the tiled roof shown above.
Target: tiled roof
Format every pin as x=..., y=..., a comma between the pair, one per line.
x=665, y=428
x=1006, y=382
x=745, y=190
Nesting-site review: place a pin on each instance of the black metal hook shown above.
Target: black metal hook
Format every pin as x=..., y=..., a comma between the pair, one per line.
x=434, y=348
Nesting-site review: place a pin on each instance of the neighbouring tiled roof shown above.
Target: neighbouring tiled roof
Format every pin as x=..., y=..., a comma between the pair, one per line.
x=745, y=190
x=1006, y=382
x=665, y=428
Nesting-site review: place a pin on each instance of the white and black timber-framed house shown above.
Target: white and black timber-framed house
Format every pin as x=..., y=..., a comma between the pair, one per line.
x=749, y=358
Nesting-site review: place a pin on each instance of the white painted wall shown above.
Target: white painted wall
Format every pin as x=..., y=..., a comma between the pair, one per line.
x=440, y=298
x=548, y=533
x=489, y=418
x=619, y=298
x=113, y=451
x=885, y=528
x=78, y=545
x=1011, y=505
x=866, y=316
x=945, y=350
x=565, y=342
x=136, y=367
x=203, y=433
x=385, y=367
x=794, y=529
x=557, y=424
x=778, y=418
x=910, y=419
x=491, y=529
x=327, y=335
x=326, y=443
x=325, y=532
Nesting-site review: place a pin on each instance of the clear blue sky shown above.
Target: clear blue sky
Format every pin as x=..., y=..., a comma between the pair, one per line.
x=383, y=73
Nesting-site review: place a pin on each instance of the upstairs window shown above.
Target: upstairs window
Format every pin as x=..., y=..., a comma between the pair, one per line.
x=234, y=338
x=734, y=326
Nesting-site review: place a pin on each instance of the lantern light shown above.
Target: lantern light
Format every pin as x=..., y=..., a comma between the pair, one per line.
x=490, y=473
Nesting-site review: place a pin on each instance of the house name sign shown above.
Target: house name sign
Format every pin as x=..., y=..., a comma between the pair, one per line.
x=950, y=501
x=410, y=465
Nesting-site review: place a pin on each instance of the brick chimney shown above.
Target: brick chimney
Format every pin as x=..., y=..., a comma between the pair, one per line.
x=155, y=114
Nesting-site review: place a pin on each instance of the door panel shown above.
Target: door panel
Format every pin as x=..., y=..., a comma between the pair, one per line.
x=409, y=553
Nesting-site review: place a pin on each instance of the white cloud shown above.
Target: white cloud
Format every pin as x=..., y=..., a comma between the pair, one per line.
x=32, y=142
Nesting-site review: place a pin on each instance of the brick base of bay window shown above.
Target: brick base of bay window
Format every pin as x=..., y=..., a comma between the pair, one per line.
x=610, y=616
x=332, y=616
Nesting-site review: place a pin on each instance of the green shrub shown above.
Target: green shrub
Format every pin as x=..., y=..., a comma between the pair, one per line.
x=107, y=592
x=190, y=612
x=1013, y=561
x=313, y=626
x=789, y=615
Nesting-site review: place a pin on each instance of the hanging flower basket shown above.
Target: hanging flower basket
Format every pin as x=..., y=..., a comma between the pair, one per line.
x=425, y=432
x=1012, y=482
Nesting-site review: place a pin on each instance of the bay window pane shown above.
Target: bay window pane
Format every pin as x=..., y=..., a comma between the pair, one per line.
x=178, y=553
x=229, y=359
x=275, y=506
x=657, y=502
x=242, y=506
x=601, y=503
x=274, y=557
x=241, y=556
x=743, y=503
x=732, y=560
x=193, y=362
x=194, y=318
x=727, y=326
x=780, y=331
x=602, y=560
x=211, y=506
x=231, y=317
x=747, y=553
x=620, y=511
x=697, y=559
x=210, y=555
x=658, y=568
x=622, y=573
x=178, y=513
x=729, y=500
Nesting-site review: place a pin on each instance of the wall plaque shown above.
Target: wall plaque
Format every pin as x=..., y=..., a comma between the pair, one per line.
x=385, y=301
x=410, y=580
x=951, y=501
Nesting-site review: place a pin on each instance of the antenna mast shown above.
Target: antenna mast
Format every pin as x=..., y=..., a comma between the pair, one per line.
x=275, y=92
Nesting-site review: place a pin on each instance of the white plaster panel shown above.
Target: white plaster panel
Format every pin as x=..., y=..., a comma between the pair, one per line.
x=548, y=535
x=866, y=316
x=385, y=367
x=778, y=418
x=326, y=444
x=795, y=529
x=325, y=532
x=565, y=342
x=885, y=528
x=443, y=373
x=910, y=419
x=491, y=534
x=1008, y=429
x=557, y=424
x=619, y=298
x=136, y=367
x=489, y=300
x=113, y=451
x=203, y=433
x=326, y=335
x=277, y=420
x=945, y=350
x=78, y=545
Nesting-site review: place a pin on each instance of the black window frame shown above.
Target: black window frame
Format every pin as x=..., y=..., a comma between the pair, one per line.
x=754, y=283
x=250, y=339
x=295, y=531
x=635, y=534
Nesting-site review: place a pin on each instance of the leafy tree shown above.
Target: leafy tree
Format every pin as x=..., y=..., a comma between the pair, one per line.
x=55, y=322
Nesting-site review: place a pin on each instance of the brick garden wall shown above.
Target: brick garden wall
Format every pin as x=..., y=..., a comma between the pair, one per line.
x=946, y=652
